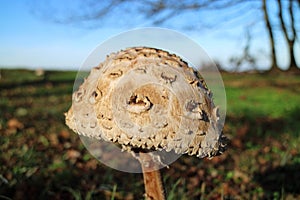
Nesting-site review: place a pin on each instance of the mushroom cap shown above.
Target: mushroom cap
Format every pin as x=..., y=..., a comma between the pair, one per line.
x=147, y=98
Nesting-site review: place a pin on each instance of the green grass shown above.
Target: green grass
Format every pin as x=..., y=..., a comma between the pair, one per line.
x=262, y=161
x=262, y=98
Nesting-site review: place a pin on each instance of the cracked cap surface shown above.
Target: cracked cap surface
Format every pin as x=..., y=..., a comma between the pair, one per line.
x=150, y=99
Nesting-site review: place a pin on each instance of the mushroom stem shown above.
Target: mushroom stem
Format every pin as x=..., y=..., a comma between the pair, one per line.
x=152, y=179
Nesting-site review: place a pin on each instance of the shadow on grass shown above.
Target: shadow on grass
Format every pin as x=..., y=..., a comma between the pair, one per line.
x=293, y=119
x=280, y=180
x=259, y=124
x=70, y=184
x=277, y=181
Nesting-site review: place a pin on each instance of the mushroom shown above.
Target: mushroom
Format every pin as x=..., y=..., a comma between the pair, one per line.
x=147, y=100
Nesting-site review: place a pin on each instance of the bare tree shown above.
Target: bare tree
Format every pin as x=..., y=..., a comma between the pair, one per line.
x=152, y=12
x=274, y=65
x=246, y=57
x=200, y=13
x=289, y=32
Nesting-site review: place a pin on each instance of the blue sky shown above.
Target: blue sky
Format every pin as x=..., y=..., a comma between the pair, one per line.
x=33, y=42
x=28, y=41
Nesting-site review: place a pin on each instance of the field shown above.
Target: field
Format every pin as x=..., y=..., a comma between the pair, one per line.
x=42, y=159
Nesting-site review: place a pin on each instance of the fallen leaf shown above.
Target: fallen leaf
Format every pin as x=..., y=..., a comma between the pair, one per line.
x=236, y=142
x=243, y=130
x=193, y=182
x=64, y=134
x=14, y=124
x=241, y=175
x=73, y=154
x=53, y=139
x=91, y=164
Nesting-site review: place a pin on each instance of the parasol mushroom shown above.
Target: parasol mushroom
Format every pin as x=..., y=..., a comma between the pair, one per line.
x=146, y=100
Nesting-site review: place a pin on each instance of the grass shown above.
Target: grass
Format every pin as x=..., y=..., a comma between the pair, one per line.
x=262, y=96
x=43, y=159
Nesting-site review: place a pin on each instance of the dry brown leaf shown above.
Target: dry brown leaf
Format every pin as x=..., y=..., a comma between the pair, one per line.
x=73, y=154
x=14, y=124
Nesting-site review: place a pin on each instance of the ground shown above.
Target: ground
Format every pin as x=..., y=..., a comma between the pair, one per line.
x=42, y=159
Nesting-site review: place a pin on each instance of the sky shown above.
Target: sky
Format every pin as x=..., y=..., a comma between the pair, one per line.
x=30, y=41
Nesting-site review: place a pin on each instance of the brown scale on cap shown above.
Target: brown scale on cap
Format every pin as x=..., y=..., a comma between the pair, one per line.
x=150, y=99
